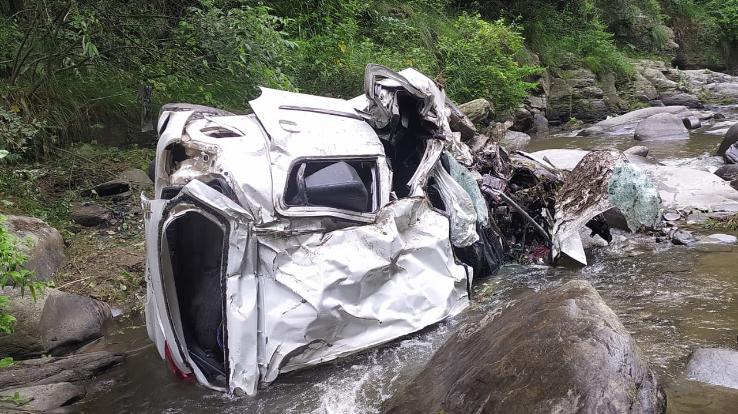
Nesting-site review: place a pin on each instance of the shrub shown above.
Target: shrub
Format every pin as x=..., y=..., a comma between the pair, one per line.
x=575, y=37
x=477, y=60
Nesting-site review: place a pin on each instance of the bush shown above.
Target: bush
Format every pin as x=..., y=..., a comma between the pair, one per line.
x=16, y=134
x=576, y=37
x=477, y=60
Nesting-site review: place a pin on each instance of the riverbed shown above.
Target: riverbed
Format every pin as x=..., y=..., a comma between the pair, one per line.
x=673, y=299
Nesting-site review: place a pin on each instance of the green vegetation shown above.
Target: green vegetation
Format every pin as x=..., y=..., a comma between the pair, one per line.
x=67, y=65
x=12, y=273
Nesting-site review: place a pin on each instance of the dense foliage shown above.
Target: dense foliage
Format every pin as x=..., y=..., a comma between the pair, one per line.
x=66, y=64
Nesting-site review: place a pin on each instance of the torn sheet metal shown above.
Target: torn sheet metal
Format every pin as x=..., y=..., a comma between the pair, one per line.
x=272, y=236
x=600, y=181
x=318, y=306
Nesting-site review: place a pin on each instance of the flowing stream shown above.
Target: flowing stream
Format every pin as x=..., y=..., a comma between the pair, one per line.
x=673, y=299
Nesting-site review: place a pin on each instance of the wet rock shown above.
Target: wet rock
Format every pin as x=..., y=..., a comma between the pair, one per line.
x=561, y=350
x=477, y=110
x=672, y=216
x=682, y=99
x=661, y=127
x=626, y=124
x=682, y=238
x=70, y=320
x=689, y=188
x=44, y=397
x=720, y=239
x=540, y=125
x=730, y=138
x=51, y=370
x=137, y=178
x=728, y=172
x=639, y=150
x=52, y=323
x=42, y=244
x=692, y=122
x=515, y=141
x=89, y=214
x=714, y=366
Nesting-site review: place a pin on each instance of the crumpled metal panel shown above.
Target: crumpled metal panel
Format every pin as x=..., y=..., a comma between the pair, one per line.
x=304, y=133
x=317, y=305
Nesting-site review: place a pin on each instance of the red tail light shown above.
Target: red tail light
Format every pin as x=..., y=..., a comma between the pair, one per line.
x=189, y=377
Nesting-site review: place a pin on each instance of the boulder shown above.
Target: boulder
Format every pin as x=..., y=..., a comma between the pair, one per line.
x=730, y=138
x=540, y=125
x=682, y=238
x=661, y=127
x=626, y=124
x=70, y=320
x=515, y=141
x=477, y=110
x=43, y=397
x=575, y=94
x=42, y=244
x=52, y=323
x=714, y=366
x=692, y=122
x=728, y=172
x=562, y=350
x=639, y=150
x=137, y=178
x=682, y=99
x=689, y=188
x=89, y=214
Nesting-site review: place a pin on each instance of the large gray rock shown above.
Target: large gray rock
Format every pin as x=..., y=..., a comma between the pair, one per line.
x=714, y=366
x=639, y=150
x=561, y=350
x=42, y=244
x=681, y=99
x=728, y=172
x=53, y=323
x=730, y=138
x=576, y=94
x=43, y=397
x=515, y=141
x=70, y=320
x=661, y=127
x=477, y=110
x=690, y=188
x=137, y=178
x=626, y=124
x=89, y=214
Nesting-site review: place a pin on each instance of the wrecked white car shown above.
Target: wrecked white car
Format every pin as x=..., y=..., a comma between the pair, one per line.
x=311, y=229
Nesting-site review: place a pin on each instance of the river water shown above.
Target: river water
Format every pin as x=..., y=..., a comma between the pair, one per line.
x=673, y=299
